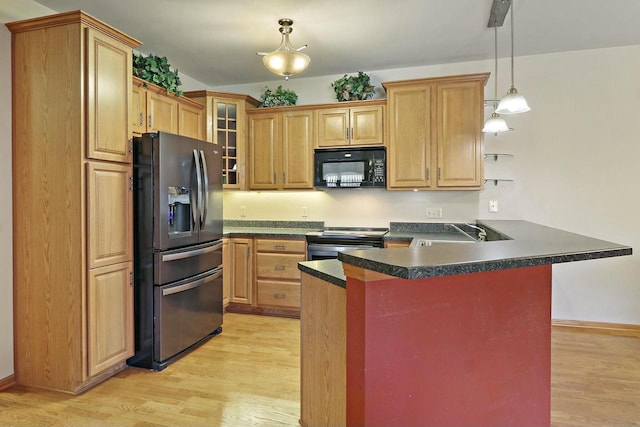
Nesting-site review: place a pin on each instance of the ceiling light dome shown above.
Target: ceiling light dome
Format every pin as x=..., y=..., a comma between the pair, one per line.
x=286, y=61
x=495, y=124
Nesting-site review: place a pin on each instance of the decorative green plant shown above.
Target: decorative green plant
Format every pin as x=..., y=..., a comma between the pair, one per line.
x=353, y=88
x=157, y=70
x=278, y=97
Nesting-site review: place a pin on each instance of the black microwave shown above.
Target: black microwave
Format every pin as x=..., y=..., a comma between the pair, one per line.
x=350, y=167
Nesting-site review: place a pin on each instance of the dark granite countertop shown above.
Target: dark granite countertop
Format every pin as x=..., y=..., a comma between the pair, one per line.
x=530, y=244
x=249, y=228
x=329, y=270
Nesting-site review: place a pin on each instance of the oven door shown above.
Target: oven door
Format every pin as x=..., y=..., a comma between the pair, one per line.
x=318, y=251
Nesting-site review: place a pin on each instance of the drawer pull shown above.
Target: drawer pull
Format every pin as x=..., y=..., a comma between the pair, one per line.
x=279, y=267
x=280, y=247
x=279, y=296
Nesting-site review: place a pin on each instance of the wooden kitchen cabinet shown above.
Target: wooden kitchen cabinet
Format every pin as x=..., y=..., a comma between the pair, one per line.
x=434, y=133
x=281, y=149
x=347, y=126
x=73, y=298
x=191, y=119
x=241, y=270
x=110, y=310
x=154, y=110
x=264, y=276
x=225, y=125
x=277, y=274
x=226, y=272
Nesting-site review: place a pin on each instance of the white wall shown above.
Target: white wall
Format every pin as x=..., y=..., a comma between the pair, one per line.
x=574, y=165
x=6, y=247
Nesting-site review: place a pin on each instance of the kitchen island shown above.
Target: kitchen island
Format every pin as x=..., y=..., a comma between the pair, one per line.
x=448, y=335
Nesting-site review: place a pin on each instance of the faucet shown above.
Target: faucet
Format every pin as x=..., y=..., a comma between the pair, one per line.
x=482, y=234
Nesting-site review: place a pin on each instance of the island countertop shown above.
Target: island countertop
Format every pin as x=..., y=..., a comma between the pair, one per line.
x=529, y=245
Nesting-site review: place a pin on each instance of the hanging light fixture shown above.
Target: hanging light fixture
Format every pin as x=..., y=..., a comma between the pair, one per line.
x=512, y=102
x=285, y=60
x=495, y=124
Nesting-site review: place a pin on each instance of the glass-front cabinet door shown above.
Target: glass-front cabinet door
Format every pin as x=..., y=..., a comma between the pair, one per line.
x=227, y=138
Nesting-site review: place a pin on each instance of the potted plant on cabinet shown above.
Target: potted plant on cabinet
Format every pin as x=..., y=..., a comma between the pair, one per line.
x=279, y=97
x=353, y=88
x=155, y=69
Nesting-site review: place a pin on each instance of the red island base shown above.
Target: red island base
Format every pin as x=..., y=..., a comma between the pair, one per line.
x=463, y=350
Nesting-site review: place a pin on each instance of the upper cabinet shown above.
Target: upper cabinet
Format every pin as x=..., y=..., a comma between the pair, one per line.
x=108, y=89
x=225, y=125
x=153, y=110
x=351, y=125
x=281, y=149
x=434, y=133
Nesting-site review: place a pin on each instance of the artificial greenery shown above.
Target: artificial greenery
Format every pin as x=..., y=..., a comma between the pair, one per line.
x=278, y=97
x=156, y=70
x=353, y=88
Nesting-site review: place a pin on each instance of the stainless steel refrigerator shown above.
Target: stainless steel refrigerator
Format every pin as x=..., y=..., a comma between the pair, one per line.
x=177, y=246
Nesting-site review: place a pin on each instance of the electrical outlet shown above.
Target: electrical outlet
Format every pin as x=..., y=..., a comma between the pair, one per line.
x=305, y=212
x=434, y=212
x=493, y=206
x=243, y=211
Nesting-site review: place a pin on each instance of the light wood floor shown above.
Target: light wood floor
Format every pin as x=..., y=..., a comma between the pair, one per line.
x=249, y=376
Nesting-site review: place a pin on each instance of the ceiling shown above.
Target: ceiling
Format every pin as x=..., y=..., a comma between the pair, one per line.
x=215, y=42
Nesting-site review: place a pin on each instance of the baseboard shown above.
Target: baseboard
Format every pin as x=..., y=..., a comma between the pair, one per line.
x=621, y=329
x=293, y=313
x=7, y=382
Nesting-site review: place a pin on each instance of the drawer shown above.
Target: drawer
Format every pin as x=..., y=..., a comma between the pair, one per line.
x=278, y=294
x=281, y=245
x=278, y=266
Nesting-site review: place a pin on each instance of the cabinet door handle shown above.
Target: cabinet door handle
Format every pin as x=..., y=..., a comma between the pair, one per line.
x=140, y=118
x=439, y=174
x=284, y=177
x=351, y=133
x=150, y=121
x=428, y=174
x=279, y=267
x=279, y=247
x=279, y=295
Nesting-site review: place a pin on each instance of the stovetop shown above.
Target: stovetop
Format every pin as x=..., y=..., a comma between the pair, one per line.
x=350, y=232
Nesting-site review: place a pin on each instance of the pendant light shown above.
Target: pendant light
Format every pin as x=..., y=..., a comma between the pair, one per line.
x=285, y=60
x=495, y=124
x=512, y=102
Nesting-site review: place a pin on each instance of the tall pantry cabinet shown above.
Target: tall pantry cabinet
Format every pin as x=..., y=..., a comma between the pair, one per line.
x=72, y=169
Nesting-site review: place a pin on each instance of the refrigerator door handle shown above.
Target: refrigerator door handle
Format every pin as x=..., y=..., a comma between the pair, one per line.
x=189, y=254
x=192, y=285
x=205, y=190
x=197, y=206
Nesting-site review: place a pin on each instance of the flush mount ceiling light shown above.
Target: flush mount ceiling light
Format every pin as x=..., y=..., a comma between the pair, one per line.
x=285, y=60
x=495, y=124
x=512, y=102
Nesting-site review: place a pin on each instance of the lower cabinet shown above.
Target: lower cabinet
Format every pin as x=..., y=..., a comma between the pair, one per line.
x=241, y=271
x=277, y=274
x=226, y=274
x=263, y=275
x=110, y=310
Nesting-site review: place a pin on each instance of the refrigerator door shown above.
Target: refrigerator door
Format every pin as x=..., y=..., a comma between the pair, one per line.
x=210, y=223
x=177, y=190
x=187, y=312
